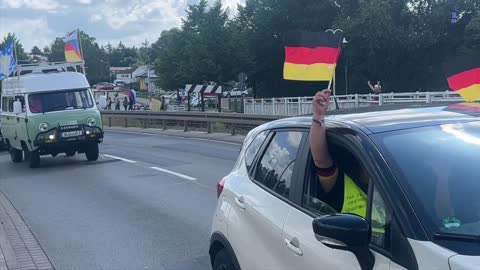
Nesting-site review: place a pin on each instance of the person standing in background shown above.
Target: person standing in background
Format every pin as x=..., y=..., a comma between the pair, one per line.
x=117, y=102
x=125, y=103
x=377, y=88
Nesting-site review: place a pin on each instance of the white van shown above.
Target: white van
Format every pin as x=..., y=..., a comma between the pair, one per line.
x=49, y=109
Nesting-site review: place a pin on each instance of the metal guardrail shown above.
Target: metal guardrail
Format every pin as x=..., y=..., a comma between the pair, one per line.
x=145, y=119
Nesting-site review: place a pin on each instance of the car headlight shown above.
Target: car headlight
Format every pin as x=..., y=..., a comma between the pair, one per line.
x=43, y=127
x=91, y=122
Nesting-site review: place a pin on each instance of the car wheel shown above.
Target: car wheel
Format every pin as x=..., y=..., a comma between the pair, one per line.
x=223, y=261
x=70, y=153
x=34, y=159
x=91, y=152
x=16, y=155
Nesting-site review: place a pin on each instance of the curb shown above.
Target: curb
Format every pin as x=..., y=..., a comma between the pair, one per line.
x=216, y=137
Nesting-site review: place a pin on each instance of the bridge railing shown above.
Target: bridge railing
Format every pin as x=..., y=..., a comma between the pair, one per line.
x=292, y=106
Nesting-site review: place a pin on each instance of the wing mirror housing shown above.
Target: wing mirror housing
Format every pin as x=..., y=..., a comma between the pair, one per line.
x=346, y=232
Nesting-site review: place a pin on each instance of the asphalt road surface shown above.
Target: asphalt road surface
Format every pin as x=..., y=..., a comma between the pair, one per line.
x=146, y=204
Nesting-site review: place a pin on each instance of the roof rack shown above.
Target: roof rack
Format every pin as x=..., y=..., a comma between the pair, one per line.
x=44, y=66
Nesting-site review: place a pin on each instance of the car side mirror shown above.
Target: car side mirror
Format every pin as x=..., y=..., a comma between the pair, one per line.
x=346, y=232
x=17, y=107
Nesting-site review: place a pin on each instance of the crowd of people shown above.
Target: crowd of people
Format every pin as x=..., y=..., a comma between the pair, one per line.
x=128, y=101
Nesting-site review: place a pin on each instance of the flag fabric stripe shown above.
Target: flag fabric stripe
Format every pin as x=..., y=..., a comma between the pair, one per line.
x=311, y=39
x=72, y=48
x=464, y=79
x=308, y=56
x=314, y=72
x=470, y=93
x=461, y=64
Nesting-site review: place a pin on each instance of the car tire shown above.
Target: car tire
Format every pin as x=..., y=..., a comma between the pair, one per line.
x=70, y=153
x=91, y=152
x=34, y=159
x=16, y=155
x=223, y=261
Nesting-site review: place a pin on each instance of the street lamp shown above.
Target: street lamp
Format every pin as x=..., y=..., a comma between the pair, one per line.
x=344, y=42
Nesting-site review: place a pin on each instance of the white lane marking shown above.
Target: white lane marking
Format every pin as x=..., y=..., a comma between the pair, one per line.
x=119, y=158
x=189, y=178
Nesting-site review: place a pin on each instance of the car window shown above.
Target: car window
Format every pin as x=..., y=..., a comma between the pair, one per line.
x=275, y=167
x=349, y=175
x=253, y=148
x=381, y=219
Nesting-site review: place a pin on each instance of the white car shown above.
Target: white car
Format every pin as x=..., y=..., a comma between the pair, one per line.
x=235, y=92
x=423, y=184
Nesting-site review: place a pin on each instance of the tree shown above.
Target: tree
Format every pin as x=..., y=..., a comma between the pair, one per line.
x=20, y=54
x=36, y=51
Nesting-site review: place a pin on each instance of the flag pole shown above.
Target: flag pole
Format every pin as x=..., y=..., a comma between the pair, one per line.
x=81, y=49
x=16, y=58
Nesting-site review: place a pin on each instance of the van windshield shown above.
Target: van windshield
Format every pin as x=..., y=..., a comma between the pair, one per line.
x=59, y=101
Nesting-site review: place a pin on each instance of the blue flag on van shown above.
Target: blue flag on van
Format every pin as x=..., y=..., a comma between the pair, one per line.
x=7, y=61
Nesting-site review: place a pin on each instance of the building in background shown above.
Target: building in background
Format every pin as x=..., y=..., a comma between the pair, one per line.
x=123, y=74
x=145, y=77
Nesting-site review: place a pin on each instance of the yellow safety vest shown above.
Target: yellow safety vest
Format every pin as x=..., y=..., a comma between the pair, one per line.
x=354, y=199
x=355, y=202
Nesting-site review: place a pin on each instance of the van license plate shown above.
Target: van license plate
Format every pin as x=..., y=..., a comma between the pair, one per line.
x=72, y=133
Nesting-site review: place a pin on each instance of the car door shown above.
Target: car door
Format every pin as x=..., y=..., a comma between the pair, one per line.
x=302, y=250
x=262, y=203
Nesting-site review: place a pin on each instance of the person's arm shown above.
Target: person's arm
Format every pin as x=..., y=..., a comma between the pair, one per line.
x=318, y=142
x=371, y=86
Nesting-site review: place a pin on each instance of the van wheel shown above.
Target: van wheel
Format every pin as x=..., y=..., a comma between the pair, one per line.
x=223, y=261
x=70, y=153
x=34, y=159
x=91, y=152
x=16, y=155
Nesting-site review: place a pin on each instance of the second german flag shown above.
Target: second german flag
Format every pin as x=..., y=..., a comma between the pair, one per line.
x=463, y=75
x=310, y=56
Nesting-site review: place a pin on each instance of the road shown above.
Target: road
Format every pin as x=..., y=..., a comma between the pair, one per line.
x=146, y=204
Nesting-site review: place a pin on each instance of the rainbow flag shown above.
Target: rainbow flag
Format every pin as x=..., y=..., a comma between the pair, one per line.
x=72, y=48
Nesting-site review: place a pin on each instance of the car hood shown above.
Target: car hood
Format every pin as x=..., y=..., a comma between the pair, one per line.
x=462, y=262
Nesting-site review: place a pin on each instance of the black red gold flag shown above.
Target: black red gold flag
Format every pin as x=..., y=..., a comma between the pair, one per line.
x=463, y=75
x=311, y=56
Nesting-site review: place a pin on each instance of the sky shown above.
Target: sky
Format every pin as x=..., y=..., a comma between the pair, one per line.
x=39, y=22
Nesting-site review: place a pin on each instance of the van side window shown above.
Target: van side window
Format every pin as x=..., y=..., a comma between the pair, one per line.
x=275, y=168
x=381, y=219
x=5, y=104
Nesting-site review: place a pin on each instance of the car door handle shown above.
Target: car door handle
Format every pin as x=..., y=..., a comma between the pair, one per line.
x=241, y=202
x=294, y=246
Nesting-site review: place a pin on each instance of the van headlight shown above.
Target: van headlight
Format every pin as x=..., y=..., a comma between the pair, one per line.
x=91, y=122
x=43, y=127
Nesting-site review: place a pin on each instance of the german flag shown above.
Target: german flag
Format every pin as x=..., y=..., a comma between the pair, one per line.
x=311, y=56
x=463, y=75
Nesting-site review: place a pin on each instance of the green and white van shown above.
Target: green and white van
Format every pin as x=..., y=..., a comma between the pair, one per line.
x=49, y=109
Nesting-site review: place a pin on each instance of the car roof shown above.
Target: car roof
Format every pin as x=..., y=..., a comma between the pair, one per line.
x=384, y=119
x=44, y=82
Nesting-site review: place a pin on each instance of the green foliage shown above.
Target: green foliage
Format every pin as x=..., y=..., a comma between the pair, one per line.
x=36, y=51
x=21, y=56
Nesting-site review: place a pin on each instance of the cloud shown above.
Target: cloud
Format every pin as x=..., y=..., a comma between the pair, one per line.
x=30, y=32
x=47, y=5
x=39, y=22
x=118, y=14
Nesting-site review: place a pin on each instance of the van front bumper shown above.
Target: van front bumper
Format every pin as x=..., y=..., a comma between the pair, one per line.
x=61, y=137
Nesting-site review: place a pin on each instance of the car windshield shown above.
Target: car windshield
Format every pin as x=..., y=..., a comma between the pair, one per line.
x=437, y=167
x=59, y=101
